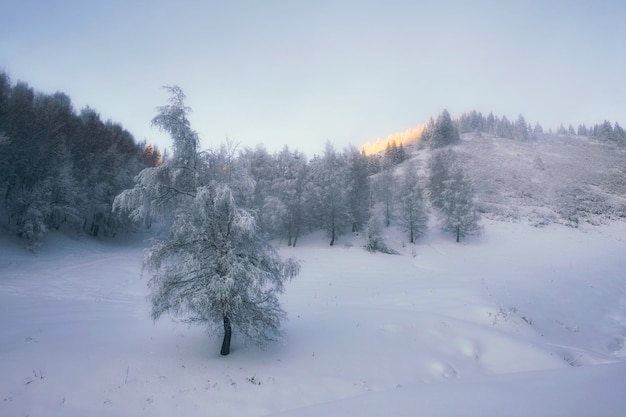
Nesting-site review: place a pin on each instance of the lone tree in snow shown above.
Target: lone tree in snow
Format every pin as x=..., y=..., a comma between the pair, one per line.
x=214, y=268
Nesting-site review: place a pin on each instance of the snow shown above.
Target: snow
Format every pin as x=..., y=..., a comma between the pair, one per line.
x=519, y=321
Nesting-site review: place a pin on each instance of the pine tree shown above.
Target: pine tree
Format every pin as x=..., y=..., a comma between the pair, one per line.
x=504, y=128
x=452, y=194
x=445, y=132
x=439, y=170
x=459, y=212
x=384, y=192
x=358, y=188
x=521, y=129
x=412, y=212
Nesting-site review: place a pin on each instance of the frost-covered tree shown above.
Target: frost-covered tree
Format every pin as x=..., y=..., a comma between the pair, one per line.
x=459, y=213
x=328, y=192
x=471, y=122
x=412, y=213
x=214, y=267
x=520, y=129
x=444, y=131
x=159, y=190
x=283, y=209
x=439, y=168
x=452, y=194
x=384, y=192
x=261, y=169
x=395, y=153
x=375, y=237
x=504, y=128
x=358, y=188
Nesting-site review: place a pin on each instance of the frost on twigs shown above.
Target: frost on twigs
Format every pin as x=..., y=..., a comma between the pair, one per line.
x=214, y=268
x=216, y=265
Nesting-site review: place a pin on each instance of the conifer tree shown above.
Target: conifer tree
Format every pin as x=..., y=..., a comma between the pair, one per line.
x=444, y=132
x=459, y=214
x=411, y=206
x=452, y=194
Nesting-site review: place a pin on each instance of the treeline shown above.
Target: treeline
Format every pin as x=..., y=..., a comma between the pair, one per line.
x=63, y=169
x=520, y=129
x=338, y=191
x=60, y=168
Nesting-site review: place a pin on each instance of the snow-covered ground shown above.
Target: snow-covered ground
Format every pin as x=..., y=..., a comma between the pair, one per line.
x=521, y=321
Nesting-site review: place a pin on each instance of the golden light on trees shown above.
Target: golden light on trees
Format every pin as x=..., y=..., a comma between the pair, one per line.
x=404, y=138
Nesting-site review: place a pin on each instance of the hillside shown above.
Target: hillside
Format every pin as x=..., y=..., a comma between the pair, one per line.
x=561, y=179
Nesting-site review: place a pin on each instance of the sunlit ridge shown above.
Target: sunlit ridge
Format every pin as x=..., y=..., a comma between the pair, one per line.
x=404, y=138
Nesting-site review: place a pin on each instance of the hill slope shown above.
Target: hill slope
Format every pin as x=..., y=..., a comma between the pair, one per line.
x=564, y=179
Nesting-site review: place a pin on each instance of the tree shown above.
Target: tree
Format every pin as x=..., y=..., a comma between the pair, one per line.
x=439, y=166
x=284, y=208
x=452, y=194
x=395, y=154
x=385, y=192
x=444, y=132
x=151, y=156
x=375, y=238
x=520, y=129
x=214, y=267
x=504, y=128
x=358, y=188
x=412, y=212
x=459, y=210
x=330, y=191
x=159, y=190
x=262, y=171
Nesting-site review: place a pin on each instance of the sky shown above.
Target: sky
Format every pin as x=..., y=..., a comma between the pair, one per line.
x=304, y=73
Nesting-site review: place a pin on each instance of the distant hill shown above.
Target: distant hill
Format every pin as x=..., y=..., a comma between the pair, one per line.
x=567, y=179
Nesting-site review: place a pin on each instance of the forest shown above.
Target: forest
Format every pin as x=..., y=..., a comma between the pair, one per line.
x=61, y=169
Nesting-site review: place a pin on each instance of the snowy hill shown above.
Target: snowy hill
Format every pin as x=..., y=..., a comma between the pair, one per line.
x=519, y=321
x=551, y=178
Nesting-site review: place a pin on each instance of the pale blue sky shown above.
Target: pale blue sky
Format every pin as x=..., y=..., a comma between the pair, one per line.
x=302, y=73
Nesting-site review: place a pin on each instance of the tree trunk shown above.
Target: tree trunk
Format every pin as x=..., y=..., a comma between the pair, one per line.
x=227, y=334
x=412, y=240
x=332, y=236
x=295, y=238
x=458, y=233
